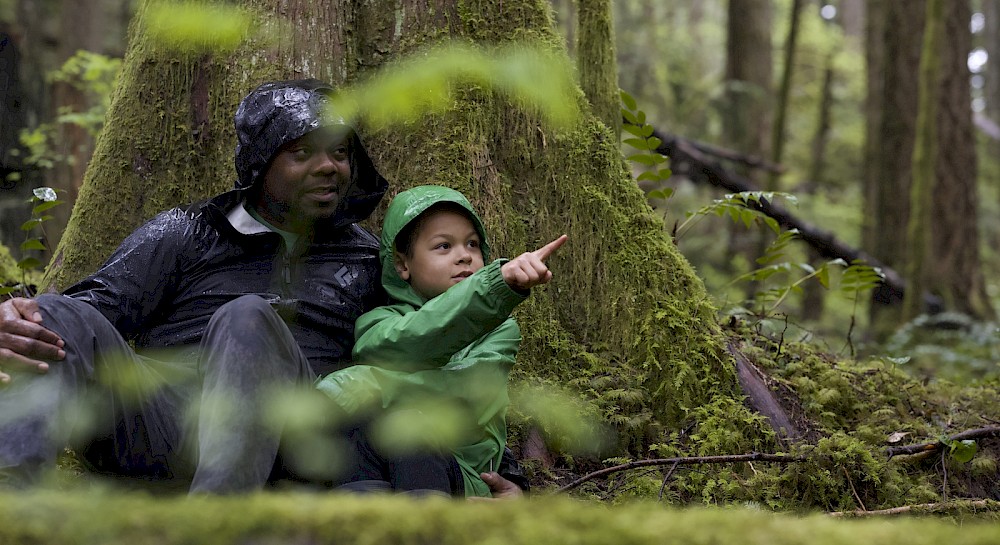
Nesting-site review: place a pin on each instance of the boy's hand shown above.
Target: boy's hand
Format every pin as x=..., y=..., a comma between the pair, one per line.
x=528, y=269
x=501, y=488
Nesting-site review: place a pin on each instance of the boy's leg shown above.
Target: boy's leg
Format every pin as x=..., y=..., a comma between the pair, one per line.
x=247, y=355
x=100, y=390
x=415, y=472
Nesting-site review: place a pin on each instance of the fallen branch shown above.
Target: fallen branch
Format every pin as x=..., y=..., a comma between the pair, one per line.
x=978, y=433
x=723, y=459
x=688, y=159
x=980, y=505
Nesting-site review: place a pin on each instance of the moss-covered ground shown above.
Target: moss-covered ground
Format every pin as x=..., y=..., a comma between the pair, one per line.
x=106, y=519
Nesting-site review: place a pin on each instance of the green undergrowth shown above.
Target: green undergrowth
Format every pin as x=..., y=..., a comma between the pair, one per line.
x=848, y=414
x=89, y=518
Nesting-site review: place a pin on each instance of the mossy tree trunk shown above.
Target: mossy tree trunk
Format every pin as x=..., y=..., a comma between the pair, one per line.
x=951, y=267
x=924, y=161
x=626, y=312
x=595, y=61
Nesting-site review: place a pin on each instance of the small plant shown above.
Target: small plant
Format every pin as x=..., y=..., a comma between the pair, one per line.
x=42, y=200
x=646, y=145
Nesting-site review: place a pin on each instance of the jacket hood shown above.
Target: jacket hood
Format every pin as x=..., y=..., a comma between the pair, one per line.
x=278, y=112
x=404, y=209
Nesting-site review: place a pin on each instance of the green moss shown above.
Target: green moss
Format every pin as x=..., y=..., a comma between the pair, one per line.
x=87, y=518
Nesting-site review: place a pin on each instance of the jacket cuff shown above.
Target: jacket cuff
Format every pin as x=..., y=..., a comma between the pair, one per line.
x=498, y=287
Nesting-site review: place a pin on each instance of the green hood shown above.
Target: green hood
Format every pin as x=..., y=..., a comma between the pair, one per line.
x=405, y=208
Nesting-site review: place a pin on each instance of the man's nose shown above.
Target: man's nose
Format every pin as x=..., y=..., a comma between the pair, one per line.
x=324, y=163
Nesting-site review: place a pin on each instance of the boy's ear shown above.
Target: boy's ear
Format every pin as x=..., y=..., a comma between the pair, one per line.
x=399, y=261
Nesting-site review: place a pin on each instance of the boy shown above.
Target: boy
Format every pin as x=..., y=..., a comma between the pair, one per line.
x=448, y=335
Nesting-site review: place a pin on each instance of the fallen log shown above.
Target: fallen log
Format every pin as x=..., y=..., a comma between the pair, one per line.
x=692, y=160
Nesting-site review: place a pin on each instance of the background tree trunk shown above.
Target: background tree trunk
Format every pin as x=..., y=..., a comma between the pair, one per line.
x=747, y=114
x=955, y=269
x=627, y=309
x=901, y=26
x=595, y=61
x=924, y=162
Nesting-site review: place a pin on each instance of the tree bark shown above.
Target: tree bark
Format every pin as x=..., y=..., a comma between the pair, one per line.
x=955, y=269
x=595, y=61
x=924, y=161
x=747, y=113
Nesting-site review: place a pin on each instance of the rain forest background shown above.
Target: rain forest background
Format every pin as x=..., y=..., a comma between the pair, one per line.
x=829, y=169
x=817, y=101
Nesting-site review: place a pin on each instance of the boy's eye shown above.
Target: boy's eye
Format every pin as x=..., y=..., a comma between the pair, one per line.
x=443, y=246
x=473, y=243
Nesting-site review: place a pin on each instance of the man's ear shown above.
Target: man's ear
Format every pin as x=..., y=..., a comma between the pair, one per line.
x=399, y=261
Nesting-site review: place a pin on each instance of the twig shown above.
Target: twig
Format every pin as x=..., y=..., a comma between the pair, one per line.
x=931, y=507
x=978, y=433
x=666, y=478
x=854, y=490
x=944, y=472
x=723, y=459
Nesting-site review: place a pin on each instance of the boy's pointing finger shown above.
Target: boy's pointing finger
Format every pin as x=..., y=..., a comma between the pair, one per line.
x=544, y=252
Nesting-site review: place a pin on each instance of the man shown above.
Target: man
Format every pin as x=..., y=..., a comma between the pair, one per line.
x=224, y=301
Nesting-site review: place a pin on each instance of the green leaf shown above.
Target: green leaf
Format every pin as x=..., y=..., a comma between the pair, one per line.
x=32, y=244
x=642, y=159
x=660, y=193
x=647, y=131
x=964, y=451
x=638, y=143
x=631, y=120
x=653, y=142
x=649, y=175
x=632, y=128
x=8, y=290
x=45, y=206
x=627, y=100
x=29, y=263
x=641, y=116
x=824, y=276
x=30, y=224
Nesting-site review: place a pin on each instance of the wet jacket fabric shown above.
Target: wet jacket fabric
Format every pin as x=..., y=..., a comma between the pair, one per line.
x=164, y=282
x=456, y=349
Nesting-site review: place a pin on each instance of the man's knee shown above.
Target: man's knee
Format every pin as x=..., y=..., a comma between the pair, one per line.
x=246, y=311
x=67, y=316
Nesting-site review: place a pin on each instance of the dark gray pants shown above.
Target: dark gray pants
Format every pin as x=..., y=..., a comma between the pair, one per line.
x=198, y=419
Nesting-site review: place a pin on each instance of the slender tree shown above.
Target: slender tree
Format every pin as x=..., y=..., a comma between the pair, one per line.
x=924, y=161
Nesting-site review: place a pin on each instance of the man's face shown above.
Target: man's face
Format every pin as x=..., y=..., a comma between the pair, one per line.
x=306, y=181
x=445, y=251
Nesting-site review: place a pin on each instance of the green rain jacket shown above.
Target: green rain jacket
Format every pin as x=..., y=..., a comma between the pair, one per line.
x=456, y=349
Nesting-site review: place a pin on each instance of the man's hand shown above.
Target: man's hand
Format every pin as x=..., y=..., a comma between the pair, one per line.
x=502, y=488
x=24, y=341
x=528, y=269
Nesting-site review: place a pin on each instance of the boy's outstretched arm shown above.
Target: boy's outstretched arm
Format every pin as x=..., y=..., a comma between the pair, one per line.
x=529, y=269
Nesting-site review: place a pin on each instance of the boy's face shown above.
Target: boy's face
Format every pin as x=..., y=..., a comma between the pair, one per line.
x=444, y=252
